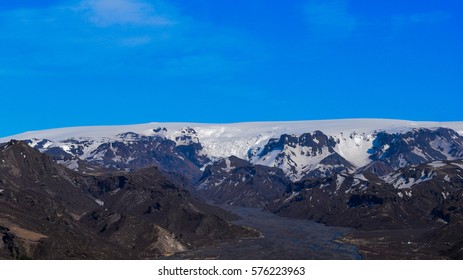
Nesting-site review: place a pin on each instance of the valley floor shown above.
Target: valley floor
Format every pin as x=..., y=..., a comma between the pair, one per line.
x=282, y=238
x=410, y=244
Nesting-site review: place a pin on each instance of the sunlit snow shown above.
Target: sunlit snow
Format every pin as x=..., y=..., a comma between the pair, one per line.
x=354, y=138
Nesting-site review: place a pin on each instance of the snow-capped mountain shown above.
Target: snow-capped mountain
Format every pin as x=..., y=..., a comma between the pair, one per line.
x=363, y=173
x=310, y=154
x=300, y=149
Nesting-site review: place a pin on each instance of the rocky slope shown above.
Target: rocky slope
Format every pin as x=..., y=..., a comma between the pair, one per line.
x=415, y=208
x=410, y=197
x=234, y=181
x=51, y=212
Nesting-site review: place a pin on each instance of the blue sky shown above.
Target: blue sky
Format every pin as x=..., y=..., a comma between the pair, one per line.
x=103, y=62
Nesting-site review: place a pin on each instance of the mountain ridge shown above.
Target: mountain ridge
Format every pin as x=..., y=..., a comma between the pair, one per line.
x=191, y=146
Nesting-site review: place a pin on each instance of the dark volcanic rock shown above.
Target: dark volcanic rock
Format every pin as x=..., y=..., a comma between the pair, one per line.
x=428, y=195
x=147, y=194
x=143, y=151
x=50, y=212
x=237, y=182
x=131, y=151
x=316, y=140
x=417, y=146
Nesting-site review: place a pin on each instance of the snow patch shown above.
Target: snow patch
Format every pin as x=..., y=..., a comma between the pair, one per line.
x=402, y=161
x=406, y=183
x=228, y=167
x=354, y=148
x=417, y=151
x=339, y=180
x=360, y=177
x=437, y=164
x=70, y=164
x=100, y=202
x=291, y=197
x=443, y=146
x=115, y=191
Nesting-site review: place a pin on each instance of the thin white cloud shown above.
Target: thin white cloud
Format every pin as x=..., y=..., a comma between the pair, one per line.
x=330, y=18
x=123, y=12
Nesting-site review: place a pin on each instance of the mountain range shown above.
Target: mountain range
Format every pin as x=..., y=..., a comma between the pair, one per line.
x=113, y=183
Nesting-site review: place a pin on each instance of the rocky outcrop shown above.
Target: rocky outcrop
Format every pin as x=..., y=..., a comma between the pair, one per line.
x=234, y=181
x=427, y=195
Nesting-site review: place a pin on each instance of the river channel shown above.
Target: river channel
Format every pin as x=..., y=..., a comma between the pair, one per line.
x=283, y=239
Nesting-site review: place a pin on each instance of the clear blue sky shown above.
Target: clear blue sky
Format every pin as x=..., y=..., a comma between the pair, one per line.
x=99, y=62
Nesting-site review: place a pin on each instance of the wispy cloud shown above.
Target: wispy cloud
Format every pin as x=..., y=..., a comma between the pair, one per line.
x=124, y=12
x=108, y=37
x=330, y=18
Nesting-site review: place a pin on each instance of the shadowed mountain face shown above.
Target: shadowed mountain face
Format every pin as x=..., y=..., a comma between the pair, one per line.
x=395, y=151
x=410, y=197
x=234, y=181
x=423, y=204
x=131, y=152
x=50, y=212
